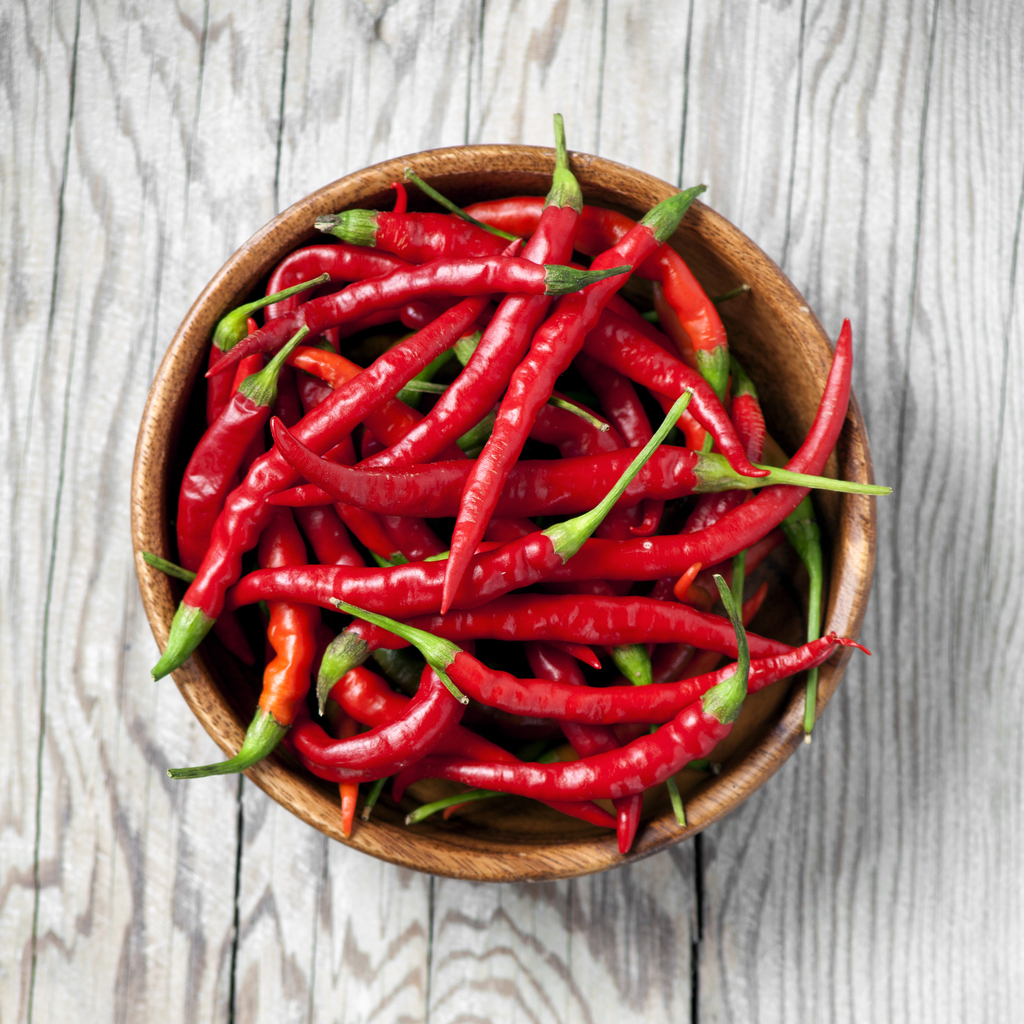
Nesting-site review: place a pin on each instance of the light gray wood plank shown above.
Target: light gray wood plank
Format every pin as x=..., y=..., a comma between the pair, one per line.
x=863, y=883
x=536, y=59
x=37, y=59
x=136, y=907
x=371, y=81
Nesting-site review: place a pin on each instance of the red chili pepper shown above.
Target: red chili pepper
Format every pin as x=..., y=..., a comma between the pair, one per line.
x=506, y=338
x=645, y=762
x=383, y=750
x=532, y=488
x=551, y=351
x=211, y=470
x=587, y=740
x=345, y=727
x=579, y=618
x=416, y=237
x=246, y=512
x=605, y=706
x=458, y=277
x=368, y=699
x=328, y=537
x=342, y=263
x=692, y=310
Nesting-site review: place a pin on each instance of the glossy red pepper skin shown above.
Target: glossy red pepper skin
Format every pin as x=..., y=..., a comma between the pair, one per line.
x=587, y=740
x=617, y=344
x=328, y=537
x=385, y=749
x=654, y=557
x=421, y=237
x=455, y=277
x=612, y=705
x=370, y=701
x=552, y=350
x=599, y=229
x=532, y=487
x=343, y=262
x=501, y=348
x=580, y=618
x=246, y=511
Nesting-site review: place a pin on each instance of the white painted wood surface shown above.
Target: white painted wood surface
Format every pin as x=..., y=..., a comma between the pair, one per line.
x=876, y=151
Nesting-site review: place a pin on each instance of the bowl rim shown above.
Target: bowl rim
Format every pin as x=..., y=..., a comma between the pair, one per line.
x=434, y=850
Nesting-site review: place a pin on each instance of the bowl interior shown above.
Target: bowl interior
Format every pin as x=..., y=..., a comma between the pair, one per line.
x=784, y=349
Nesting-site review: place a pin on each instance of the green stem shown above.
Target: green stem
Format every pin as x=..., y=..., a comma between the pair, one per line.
x=429, y=190
x=633, y=661
x=713, y=474
x=188, y=627
x=168, y=567
x=233, y=328
x=740, y=289
x=343, y=653
x=724, y=701
x=565, y=189
x=261, y=387
x=568, y=537
x=449, y=801
x=439, y=653
x=422, y=382
x=664, y=218
x=559, y=280
x=263, y=734
x=739, y=573
x=802, y=532
x=677, y=802
x=372, y=797
x=578, y=410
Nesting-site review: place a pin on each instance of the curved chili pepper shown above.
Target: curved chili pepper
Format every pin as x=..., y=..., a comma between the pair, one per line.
x=586, y=740
x=292, y=633
x=246, y=512
x=605, y=706
x=506, y=338
x=579, y=618
x=385, y=749
x=552, y=349
x=211, y=469
x=345, y=727
x=369, y=700
x=532, y=488
x=645, y=762
x=457, y=277
x=699, y=322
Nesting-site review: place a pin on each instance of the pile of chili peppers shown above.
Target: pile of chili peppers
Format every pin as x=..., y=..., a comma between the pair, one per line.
x=489, y=490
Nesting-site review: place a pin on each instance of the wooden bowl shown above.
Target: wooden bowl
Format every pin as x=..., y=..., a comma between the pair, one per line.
x=784, y=349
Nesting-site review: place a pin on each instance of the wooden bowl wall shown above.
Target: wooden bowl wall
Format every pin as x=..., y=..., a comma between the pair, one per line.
x=784, y=349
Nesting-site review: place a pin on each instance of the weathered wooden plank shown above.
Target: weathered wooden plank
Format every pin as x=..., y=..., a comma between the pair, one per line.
x=38, y=50
x=859, y=885
x=536, y=59
x=367, y=82
x=136, y=907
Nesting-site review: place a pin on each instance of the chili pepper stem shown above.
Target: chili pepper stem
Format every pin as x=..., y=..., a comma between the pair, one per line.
x=559, y=280
x=168, y=568
x=233, y=327
x=371, y=798
x=664, y=218
x=343, y=653
x=261, y=737
x=713, y=365
x=633, y=661
x=676, y=799
x=714, y=474
x=188, y=627
x=724, y=701
x=261, y=387
x=444, y=201
x=565, y=189
x=449, y=801
x=568, y=537
x=439, y=653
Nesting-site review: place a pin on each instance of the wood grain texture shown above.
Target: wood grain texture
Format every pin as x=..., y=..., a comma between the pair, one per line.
x=875, y=151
